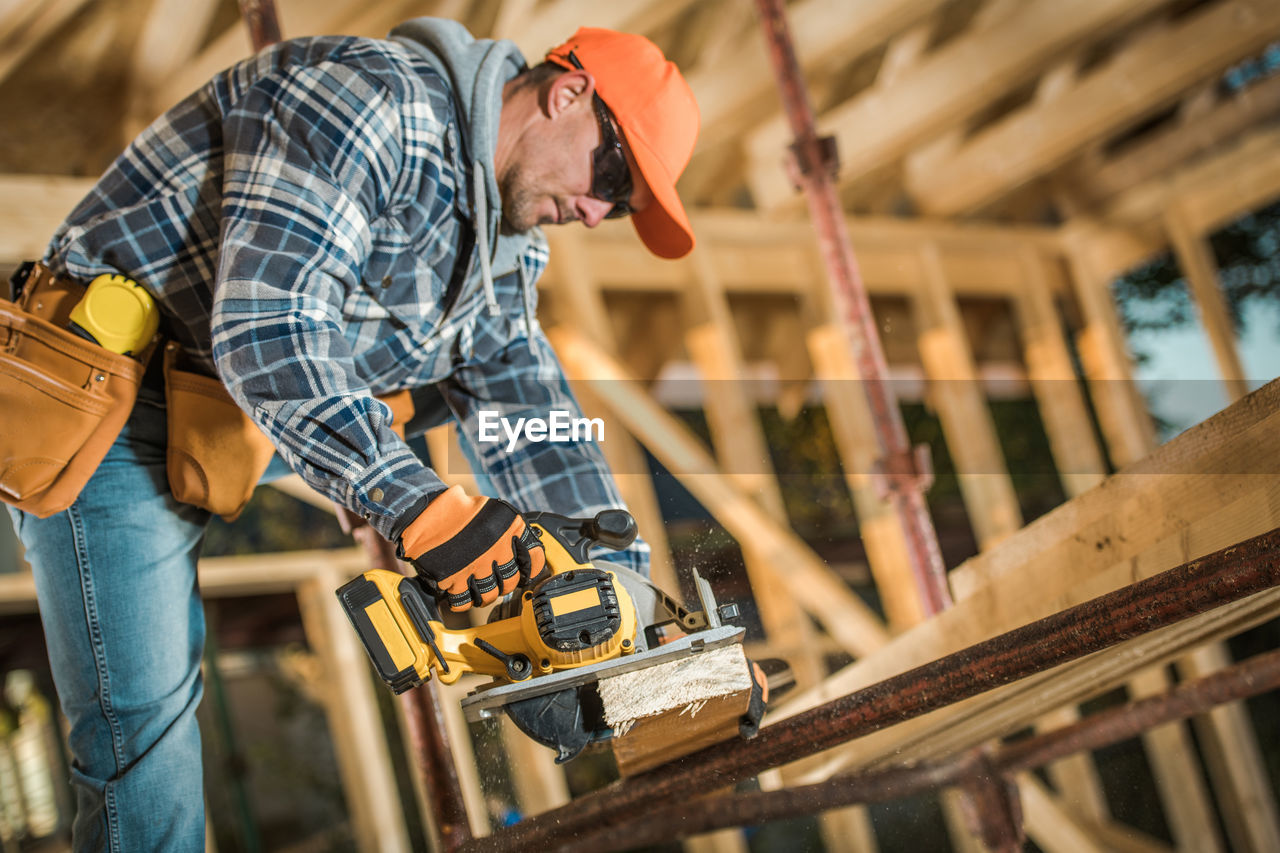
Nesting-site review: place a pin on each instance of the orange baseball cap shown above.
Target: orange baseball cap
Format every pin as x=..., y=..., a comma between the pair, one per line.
x=655, y=109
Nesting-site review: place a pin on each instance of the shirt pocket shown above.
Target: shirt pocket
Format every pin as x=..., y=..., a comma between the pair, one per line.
x=397, y=280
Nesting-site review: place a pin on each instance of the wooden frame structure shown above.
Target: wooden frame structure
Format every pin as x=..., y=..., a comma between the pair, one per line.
x=990, y=150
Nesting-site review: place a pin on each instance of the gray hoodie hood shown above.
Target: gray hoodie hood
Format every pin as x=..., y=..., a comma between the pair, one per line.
x=476, y=70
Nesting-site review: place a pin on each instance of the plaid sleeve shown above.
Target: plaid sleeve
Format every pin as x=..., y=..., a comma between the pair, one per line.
x=526, y=380
x=313, y=154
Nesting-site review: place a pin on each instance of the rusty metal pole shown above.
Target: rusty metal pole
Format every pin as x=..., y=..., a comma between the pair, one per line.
x=1140, y=608
x=1252, y=677
x=991, y=808
x=422, y=713
x=900, y=474
x=263, y=22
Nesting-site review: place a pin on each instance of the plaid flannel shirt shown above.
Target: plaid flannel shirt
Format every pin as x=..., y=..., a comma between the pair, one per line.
x=298, y=220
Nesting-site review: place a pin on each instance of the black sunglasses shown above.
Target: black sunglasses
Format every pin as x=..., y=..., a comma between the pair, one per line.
x=610, y=175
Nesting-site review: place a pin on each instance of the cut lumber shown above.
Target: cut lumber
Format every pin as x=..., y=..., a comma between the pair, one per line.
x=663, y=712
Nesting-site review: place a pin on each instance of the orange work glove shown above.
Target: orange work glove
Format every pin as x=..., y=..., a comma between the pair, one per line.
x=469, y=550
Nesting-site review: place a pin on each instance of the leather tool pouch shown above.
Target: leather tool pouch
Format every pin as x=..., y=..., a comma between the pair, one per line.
x=216, y=452
x=63, y=399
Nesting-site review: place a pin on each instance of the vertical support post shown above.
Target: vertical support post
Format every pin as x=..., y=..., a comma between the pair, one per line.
x=1078, y=457
x=956, y=390
x=900, y=476
x=1195, y=259
x=815, y=158
x=1125, y=424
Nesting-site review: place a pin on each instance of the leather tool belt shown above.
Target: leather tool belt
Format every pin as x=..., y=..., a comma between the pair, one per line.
x=64, y=399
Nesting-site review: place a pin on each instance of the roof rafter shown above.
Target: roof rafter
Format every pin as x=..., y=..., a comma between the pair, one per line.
x=1139, y=81
x=878, y=125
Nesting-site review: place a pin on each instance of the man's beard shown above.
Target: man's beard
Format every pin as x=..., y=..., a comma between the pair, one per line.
x=517, y=204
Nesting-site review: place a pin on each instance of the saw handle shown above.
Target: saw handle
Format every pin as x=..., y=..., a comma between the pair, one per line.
x=612, y=528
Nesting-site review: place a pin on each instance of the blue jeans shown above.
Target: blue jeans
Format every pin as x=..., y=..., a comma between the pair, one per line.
x=116, y=580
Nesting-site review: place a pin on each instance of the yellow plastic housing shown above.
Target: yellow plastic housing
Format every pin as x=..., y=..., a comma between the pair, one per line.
x=120, y=315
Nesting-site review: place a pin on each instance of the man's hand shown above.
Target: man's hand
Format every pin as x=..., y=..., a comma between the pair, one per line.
x=469, y=550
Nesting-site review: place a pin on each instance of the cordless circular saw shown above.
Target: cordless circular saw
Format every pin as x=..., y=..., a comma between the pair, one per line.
x=546, y=646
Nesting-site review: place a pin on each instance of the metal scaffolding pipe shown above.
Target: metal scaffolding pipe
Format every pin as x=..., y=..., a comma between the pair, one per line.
x=263, y=22
x=900, y=474
x=1252, y=677
x=1147, y=605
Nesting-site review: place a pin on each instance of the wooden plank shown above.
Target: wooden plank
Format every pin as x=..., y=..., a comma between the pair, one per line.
x=1076, y=776
x=539, y=782
x=1135, y=84
x=579, y=302
x=848, y=830
x=1197, y=264
x=464, y=754
x=1204, y=490
x=666, y=711
x=819, y=591
x=1213, y=192
x=557, y=20
x=963, y=726
x=985, y=484
x=1059, y=397
x=877, y=126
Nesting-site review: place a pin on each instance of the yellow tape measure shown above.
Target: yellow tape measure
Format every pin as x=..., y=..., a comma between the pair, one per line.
x=118, y=313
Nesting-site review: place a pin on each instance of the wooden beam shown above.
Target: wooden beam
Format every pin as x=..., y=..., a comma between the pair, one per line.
x=557, y=20
x=1135, y=84
x=985, y=485
x=876, y=127
x=1213, y=192
x=854, y=433
x=821, y=593
x=1198, y=267
x=673, y=709
x=1049, y=825
x=743, y=89
x=1160, y=155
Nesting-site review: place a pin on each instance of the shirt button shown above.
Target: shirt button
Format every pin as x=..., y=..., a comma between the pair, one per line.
x=386, y=281
x=375, y=495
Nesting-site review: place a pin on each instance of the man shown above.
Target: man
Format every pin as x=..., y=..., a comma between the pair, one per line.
x=332, y=219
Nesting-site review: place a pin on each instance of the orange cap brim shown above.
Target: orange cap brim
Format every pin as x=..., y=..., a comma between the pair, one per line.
x=663, y=226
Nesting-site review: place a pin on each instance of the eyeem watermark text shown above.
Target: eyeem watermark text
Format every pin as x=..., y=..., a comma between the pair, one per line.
x=559, y=425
